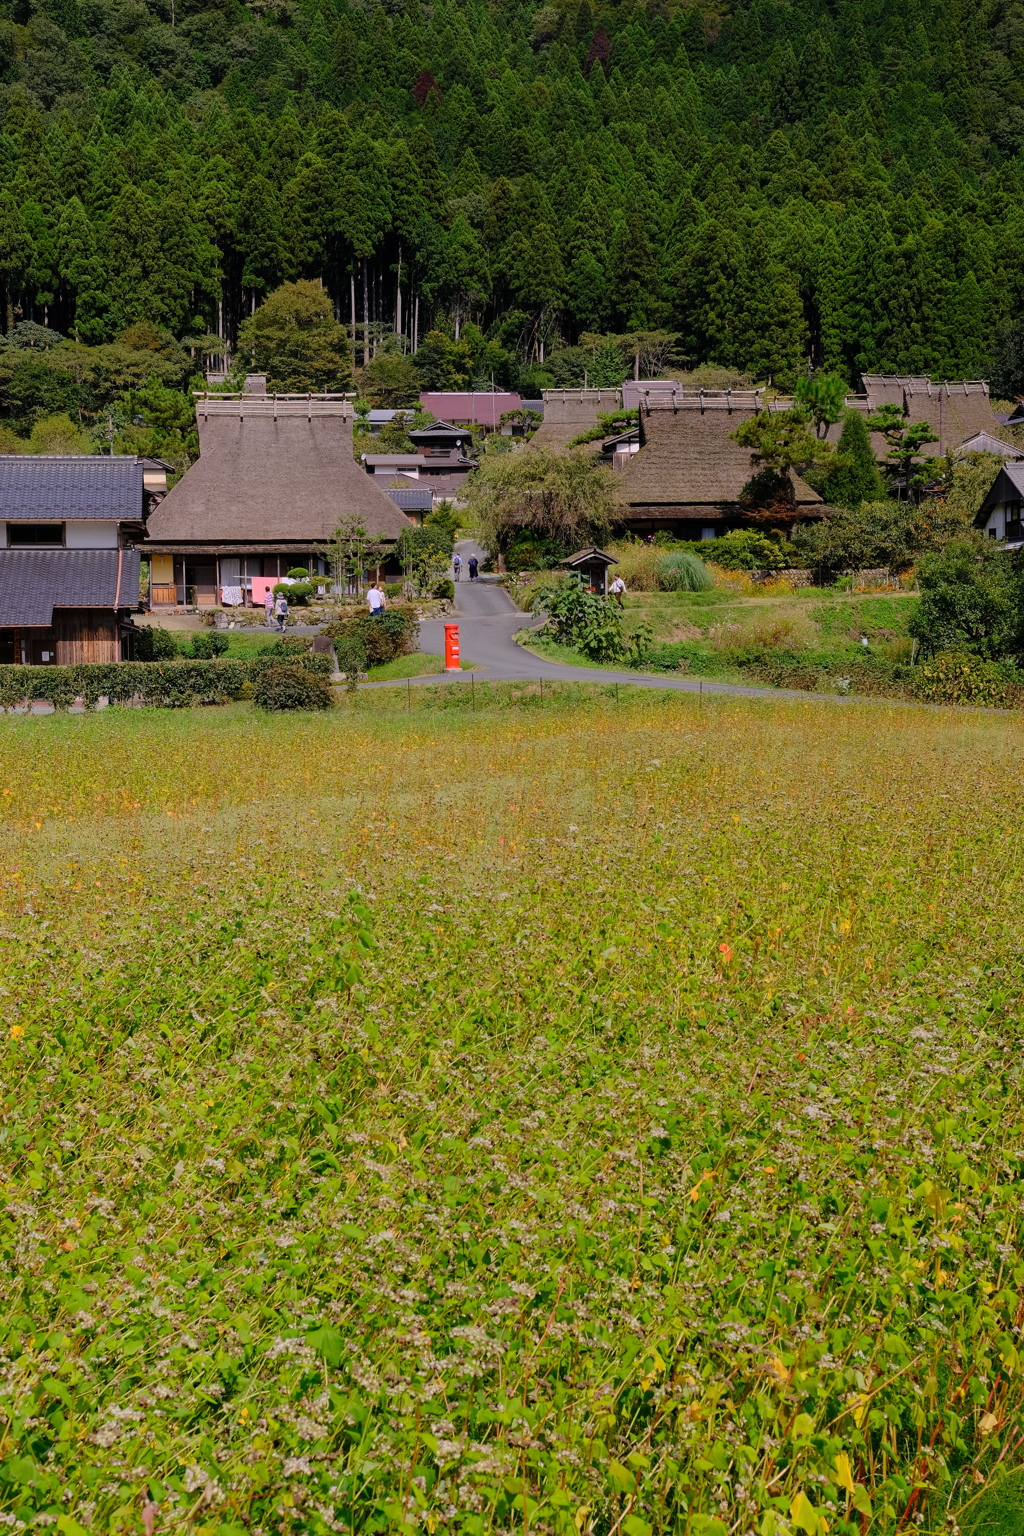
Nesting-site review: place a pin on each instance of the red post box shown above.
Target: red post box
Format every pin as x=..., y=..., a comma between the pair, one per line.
x=451, y=648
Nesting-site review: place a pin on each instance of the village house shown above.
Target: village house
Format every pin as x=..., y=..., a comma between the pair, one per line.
x=440, y=460
x=688, y=475
x=1000, y=513
x=274, y=479
x=69, y=561
x=955, y=410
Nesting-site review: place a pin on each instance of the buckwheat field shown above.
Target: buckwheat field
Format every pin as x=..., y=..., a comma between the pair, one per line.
x=573, y=1116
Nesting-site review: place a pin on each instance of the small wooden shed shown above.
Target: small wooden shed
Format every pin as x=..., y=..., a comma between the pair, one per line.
x=591, y=566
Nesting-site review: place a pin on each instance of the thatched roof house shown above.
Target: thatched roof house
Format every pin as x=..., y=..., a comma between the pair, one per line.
x=568, y=412
x=955, y=411
x=274, y=478
x=689, y=474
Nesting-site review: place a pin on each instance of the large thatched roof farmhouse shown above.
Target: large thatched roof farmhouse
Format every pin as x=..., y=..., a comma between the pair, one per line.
x=275, y=477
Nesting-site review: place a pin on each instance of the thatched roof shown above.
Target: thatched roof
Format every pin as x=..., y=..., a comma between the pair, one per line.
x=954, y=411
x=568, y=412
x=689, y=465
x=267, y=479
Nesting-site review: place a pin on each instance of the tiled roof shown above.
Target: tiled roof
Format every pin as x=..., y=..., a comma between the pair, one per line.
x=33, y=582
x=415, y=499
x=66, y=486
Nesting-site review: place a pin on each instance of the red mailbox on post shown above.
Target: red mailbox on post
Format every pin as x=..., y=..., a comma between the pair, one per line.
x=451, y=648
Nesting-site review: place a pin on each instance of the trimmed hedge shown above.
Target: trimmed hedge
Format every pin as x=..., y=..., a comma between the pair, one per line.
x=159, y=684
x=291, y=687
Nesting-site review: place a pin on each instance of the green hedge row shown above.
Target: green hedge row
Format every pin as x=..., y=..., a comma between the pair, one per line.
x=162, y=684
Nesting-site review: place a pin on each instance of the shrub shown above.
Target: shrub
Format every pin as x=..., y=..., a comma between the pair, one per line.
x=154, y=644
x=970, y=600
x=299, y=573
x=445, y=588
x=960, y=677
x=291, y=687
x=393, y=633
x=392, y=589
x=206, y=645
x=582, y=620
x=745, y=549
x=164, y=685
x=291, y=646
x=681, y=571
x=637, y=565
x=351, y=657
x=298, y=592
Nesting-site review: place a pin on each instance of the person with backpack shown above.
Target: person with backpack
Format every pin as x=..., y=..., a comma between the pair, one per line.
x=457, y=565
x=281, y=610
x=473, y=565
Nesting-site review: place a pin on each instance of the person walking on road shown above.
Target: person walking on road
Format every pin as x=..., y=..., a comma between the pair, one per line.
x=281, y=609
x=268, y=604
x=375, y=600
x=457, y=565
x=617, y=589
x=473, y=566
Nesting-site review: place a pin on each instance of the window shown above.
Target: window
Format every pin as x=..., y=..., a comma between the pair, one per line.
x=25, y=535
x=708, y=533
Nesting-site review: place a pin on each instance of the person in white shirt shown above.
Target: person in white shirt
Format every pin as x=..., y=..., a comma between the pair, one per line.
x=457, y=565
x=616, y=589
x=375, y=599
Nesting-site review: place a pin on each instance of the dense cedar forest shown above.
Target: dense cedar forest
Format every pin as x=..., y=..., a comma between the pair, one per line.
x=828, y=180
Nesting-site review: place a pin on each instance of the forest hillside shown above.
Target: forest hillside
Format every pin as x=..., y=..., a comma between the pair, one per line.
x=774, y=182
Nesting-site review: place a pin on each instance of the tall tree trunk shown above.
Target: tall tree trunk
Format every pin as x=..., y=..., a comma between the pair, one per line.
x=366, y=314
x=398, y=296
x=352, y=295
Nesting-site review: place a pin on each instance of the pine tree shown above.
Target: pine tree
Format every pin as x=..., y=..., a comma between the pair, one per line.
x=852, y=475
x=81, y=273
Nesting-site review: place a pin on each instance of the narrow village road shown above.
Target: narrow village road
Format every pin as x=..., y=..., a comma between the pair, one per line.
x=488, y=619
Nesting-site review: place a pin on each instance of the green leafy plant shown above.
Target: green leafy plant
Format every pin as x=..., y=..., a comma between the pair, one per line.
x=291, y=687
x=351, y=657
x=383, y=637
x=445, y=588
x=154, y=644
x=205, y=645
x=747, y=549
x=581, y=620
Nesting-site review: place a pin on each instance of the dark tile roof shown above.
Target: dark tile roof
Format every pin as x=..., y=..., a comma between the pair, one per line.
x=33, y=582
x=67, y=486
x=415, y=499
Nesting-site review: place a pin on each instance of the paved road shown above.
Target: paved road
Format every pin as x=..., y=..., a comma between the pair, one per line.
x=487, y=620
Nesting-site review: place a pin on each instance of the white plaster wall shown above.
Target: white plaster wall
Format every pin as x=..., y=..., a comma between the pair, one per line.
x=82, y=533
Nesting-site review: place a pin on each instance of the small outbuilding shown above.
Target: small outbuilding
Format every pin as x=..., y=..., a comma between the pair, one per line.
x=1000, y=514
x=591, y=566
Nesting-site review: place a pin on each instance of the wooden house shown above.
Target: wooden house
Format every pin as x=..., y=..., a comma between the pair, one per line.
x=275, y=477
x=69, y=565
x=1000, y=514
x=688, y=475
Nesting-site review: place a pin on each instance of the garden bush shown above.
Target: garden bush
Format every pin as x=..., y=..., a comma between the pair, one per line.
x=291, y=687
x=745, y=549
x=298, y=573
x=683, y=571
x=152, y=644
x=384, y=637
x=290, y=646
x=445, y=588
x=581, y=620
x=351, y=656
x=205, y=645
x=298, y=592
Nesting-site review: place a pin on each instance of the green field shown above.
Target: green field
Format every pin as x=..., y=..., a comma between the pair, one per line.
x=565, y=1117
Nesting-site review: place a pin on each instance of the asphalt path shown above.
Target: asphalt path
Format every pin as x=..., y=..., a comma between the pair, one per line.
x=488, y=619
